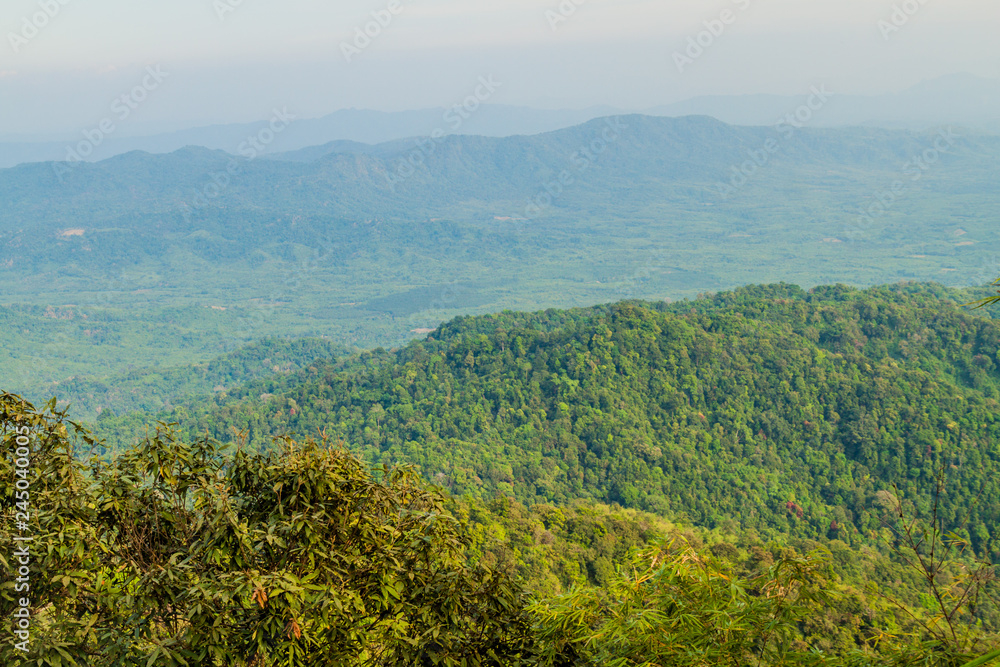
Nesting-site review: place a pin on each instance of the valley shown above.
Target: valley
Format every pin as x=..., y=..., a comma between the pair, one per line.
x=337, y=244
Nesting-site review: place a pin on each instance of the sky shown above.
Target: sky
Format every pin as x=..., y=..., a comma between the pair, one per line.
x=236, y=60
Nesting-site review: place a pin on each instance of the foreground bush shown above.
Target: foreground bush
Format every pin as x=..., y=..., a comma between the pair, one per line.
x=675, y=606
x=179, y=554
x=182, y=553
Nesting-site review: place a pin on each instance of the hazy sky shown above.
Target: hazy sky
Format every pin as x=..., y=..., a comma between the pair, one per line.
x=234, y=60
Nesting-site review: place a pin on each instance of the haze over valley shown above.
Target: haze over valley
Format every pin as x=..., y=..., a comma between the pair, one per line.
x=512, y=333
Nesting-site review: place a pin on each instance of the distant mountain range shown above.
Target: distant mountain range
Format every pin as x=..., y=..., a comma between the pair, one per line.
x=372, y=244
x=962, y=99
x=638, y=175
x=617, y=166
x=355, y=125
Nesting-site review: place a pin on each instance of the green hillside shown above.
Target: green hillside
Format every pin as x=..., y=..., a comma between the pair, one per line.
x=784, y=411
x=179, y=552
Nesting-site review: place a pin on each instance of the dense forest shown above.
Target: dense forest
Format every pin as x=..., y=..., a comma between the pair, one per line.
x=500, y=334
x=768, y=476
x=775, y=409
x=184, y=552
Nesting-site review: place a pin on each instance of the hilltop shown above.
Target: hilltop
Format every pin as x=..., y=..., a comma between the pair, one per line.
x=784, y=411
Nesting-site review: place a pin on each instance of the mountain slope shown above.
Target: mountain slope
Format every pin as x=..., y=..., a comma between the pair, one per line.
x=779, y=409
x=352, y=125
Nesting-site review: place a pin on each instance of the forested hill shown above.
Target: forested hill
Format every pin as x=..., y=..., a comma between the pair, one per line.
x=781, y=410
